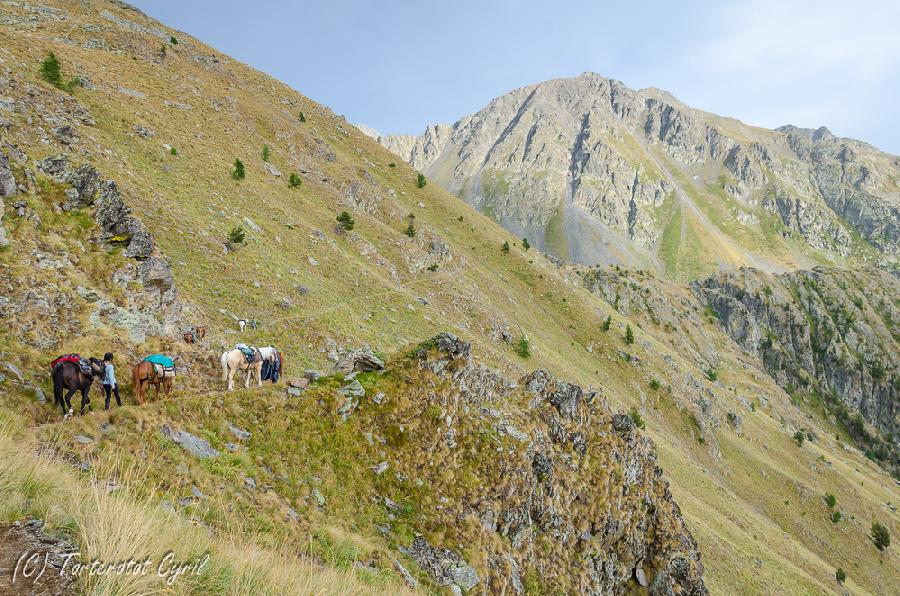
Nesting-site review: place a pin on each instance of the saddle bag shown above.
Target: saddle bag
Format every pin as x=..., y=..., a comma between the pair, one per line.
x=164, y=372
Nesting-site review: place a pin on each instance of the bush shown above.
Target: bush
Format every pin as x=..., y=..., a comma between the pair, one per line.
x=51, y=71
x=173, y=41
x=237, y=236
x=525, y=244
x=345, y=221
x=432, y=267
x=840, y=575
x=654, y=384
x=294, y=180
x=505, y=248
x=636, y=417
x=173, y=151
x=238, y=172
x=606, y=323
x=392, y=165
x=266, y=153
x=835, y=517
x=629, y=334
x=799, y=437
x=830, y=500
x=880, y=536
x=410, y=230
x=420, y=180
x=523, y=347
x=711, y=374
x=301, y=117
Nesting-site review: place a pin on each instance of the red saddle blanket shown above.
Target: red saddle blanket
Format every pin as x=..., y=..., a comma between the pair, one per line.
x=73, y=358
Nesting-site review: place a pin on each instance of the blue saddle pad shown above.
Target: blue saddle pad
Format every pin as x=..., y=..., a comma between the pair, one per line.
x=161, y=360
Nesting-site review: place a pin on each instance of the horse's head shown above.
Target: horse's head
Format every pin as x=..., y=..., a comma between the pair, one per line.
x=96, y=365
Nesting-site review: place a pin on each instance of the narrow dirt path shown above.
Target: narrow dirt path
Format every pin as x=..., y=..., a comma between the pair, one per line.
x=31, y=560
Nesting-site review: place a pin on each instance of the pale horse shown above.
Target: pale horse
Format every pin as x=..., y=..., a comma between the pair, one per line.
x=234, y=360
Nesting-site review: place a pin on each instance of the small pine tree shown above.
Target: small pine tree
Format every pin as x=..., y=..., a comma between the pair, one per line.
x=840, y=575
x=880, y=536
x=410, y=230
x=525, y=244
x=294, y=180
x=654, y=384
x=237, y=236
x=505, y=248
x=629, y=335
x=301, y=117
x=636, y=417
x=836, y=517
x=712, y=375
x=420, y=180
x=345, y=221
x=51, y=70
x=799, y=437
x=830, y=500
x=238, y=172
x=265, y=153
x=173, y=151
x=173, y=41
x=606, y=323
x=392, y=165
x=523, y=347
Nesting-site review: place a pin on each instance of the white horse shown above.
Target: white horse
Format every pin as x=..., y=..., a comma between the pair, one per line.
x=234, y=360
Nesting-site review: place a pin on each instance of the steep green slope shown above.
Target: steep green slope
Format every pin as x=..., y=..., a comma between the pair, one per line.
x=317, y=291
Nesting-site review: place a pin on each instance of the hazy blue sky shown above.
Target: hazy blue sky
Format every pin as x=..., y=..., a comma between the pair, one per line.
x=399, y=65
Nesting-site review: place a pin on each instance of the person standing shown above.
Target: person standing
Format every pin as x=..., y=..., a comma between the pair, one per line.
x=110, y=385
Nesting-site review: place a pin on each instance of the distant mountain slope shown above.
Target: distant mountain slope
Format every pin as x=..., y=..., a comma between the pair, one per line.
x=597, y=173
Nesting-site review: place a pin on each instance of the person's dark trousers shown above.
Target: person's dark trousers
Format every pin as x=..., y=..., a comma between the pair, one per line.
x=108, y=389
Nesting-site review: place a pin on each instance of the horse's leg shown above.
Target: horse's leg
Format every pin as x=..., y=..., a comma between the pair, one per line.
x=68, y=405
x=231, y=372
x=84, y=399
x=259, y=375
x=249, y=373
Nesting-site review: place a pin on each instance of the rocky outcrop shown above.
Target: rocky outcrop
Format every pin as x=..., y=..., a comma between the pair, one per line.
x=590, y=171
x=828, y=331
x=534, y=507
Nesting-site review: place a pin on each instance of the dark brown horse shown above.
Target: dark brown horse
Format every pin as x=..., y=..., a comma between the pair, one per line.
x=68, y=376
x=145, y=372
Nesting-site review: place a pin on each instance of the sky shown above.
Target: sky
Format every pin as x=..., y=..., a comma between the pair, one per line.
x=398, y=66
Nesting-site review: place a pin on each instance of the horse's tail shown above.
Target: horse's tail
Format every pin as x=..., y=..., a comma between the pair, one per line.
x=57, y=386
x=224, y=361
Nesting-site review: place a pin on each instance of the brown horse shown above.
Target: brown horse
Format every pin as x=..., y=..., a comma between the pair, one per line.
x=145, y=372
x=68, y=375
x=194, y=335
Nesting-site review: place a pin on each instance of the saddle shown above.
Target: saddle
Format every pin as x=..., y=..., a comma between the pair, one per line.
x=251, y=354
x=84, y=365
x=163, y=366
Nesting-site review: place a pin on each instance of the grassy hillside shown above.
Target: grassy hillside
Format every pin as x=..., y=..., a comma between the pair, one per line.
x=752, y=500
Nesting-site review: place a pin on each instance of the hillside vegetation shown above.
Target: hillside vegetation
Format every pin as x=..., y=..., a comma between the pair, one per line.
x=125, y=244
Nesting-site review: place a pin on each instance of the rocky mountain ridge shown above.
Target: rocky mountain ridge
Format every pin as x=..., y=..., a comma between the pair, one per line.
x=597, y=173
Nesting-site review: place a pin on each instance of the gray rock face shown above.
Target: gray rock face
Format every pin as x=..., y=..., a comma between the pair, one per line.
x=359, y=360
x=538, y=497
x=594, y=172
x=7, y=181
x=190, y=443
x=826, y=330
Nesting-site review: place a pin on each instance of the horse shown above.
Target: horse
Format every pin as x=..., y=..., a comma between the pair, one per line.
x=68, y=375
x=232, y=360
x=194, y=335
x=146, y=372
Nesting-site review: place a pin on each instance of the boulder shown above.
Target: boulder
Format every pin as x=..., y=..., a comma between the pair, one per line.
x=359, y=360
x=7, y=180
x=190, y=443
x=55, y=166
